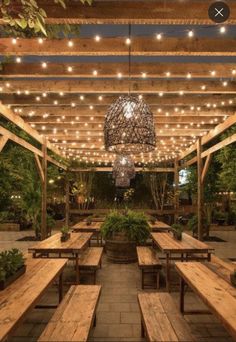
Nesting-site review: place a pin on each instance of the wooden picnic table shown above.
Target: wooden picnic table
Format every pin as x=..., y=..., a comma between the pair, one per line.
x=188, y=247
x=53, y=245
x=94, y=228
x=159, y=226
x=26, y=291
x=211, y=283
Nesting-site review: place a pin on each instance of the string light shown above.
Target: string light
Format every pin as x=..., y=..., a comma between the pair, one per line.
x=222, y=29
x=159, y=36
x=18, y=60
x=97, y=38
x=128, y=41
x=190, y=33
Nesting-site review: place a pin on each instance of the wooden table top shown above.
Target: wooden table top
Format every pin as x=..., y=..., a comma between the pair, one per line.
x=76, y=243
x=22, y=295
x=83, y=227
x=159, y=225
x=167, y=243
x=218, y=294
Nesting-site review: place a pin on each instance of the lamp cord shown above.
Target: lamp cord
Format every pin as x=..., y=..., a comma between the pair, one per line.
x=129, y=58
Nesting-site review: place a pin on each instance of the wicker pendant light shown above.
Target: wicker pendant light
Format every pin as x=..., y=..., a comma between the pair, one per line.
x=123, y=167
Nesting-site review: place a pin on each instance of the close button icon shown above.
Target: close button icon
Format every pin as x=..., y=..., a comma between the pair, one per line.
x=219, y=12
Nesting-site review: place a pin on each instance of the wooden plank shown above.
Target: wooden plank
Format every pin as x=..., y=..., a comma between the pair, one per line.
x=22, y=295
x=138, y=169
x=82, y=226
x=213, y=291
x=107, y=70
x=141, y=46
x=199, y=190
x=91, y=257
x=118, y=86
x=39, y=167
x=135, y=12
x=43, y=226
x=161, y=319
x=3, y=141
x=147, y=257
x=73, y=319
x=206, y=167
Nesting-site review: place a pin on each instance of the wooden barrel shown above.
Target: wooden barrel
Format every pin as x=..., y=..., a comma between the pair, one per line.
x=120, y=250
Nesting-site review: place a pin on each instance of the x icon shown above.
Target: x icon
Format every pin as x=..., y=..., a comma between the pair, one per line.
x=219, y=12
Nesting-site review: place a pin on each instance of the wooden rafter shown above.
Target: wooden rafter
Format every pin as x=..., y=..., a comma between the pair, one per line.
x=120, y=86
x=135, y=12
x=153, y=70
x=39, y=167
x=138, y=169
x=3, y=141
x=141, y=46
x=206, y=167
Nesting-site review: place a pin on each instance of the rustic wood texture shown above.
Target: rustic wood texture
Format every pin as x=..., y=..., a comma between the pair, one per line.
x=161, y=319
x=73, y=319
x=188, y=244
x=23, y=294
x=91, y=257
x=147, y=257
x=216, y=293
x=159, y=226
x=83, y=227
x=141, y=46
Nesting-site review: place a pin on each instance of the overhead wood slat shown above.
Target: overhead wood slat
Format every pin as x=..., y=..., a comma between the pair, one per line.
x=125, y=12
x=141, y=46
x=152, y=70
x=120, y=86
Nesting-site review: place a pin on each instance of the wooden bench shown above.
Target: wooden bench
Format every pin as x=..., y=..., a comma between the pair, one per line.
x=74, y=318
x=161, y=320
x=149, y=263
x=91, y=260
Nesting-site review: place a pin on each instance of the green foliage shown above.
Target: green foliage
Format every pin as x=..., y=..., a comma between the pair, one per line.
x=27, y=19
x=65, y=230
x=134, y=224
x=10, y=262
x=193, y=225
x=178, y=227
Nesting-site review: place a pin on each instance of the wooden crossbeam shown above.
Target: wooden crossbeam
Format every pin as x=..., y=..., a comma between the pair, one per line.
x=112, y=70
x=168, y=101
x=138, y=169
x=3, y=141
x=135, y=12
x=206, y=167
x=212, y=134
x=141, y=46
x=120, y=86
x=39, y=167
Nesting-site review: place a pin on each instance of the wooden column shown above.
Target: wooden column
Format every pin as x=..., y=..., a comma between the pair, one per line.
x=176, y=199
x=44, y=231
x=67, y=206
x=200, y=188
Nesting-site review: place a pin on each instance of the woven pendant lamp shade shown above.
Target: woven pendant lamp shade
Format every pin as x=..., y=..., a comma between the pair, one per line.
x=123, y=165
x=129, y=126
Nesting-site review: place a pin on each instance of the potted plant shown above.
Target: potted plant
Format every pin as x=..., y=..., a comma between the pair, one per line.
x=12, y=266
x=122, y=233
x=89, y=221
x=177, y=230
x=233, y=278
x=65, y=235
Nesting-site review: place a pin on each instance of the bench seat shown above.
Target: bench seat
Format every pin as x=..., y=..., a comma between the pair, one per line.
x=91, y=260
x=75, y=316
x=149, y=263
x=161, y=320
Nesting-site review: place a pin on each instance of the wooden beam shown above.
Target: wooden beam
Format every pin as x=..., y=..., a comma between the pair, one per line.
x=39, y=168
x=120, y=86
x=141, y=46
x=168, y=101
x=67, y=204
x=135, y=12
x=219, y=129
x=111, y=70
x=199, y=189
x=138, y=169
x=44, y=231
x=176, y=189
x=3, y=141
x=206, y=167
x=18, y=121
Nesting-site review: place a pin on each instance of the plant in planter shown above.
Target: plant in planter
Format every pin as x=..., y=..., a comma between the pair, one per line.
x=177, y=230
x=12, y=265
x=233, y=278
x=220, y=217
x=65, y=234
x=122, y=232
x=193, y=226
x=89, y=221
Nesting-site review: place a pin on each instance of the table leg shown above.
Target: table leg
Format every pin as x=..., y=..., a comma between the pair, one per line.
x=77, y=267
x=98, y=239
x=209, y=256
x=60, y=287
x=168, y=272
x=182, y=288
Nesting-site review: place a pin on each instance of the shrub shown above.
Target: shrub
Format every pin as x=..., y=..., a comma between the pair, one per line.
x=10, y=262
x=193, y=225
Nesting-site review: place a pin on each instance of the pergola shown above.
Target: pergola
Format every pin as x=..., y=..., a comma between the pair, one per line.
x=58, y=91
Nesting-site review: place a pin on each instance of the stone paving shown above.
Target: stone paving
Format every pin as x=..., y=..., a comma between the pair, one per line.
x=118, y=317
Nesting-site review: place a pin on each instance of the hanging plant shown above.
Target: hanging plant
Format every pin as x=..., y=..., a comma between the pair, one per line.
x=26, y=18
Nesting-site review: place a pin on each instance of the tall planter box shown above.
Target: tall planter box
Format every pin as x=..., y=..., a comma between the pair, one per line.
x=10, y=227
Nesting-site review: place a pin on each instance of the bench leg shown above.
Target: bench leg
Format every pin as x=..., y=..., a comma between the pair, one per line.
x=142, y=329
x=142, y=279
x=95, y=321
x=94, y=277
x=158, y=279
x=168, y=272
x=182, y=287
x=60, y=287
x=77, y=267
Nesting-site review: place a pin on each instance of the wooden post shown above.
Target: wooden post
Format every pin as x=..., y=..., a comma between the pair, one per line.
x=67, y=206
x=44, y=232
x=200, y=188
x=176, y=199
